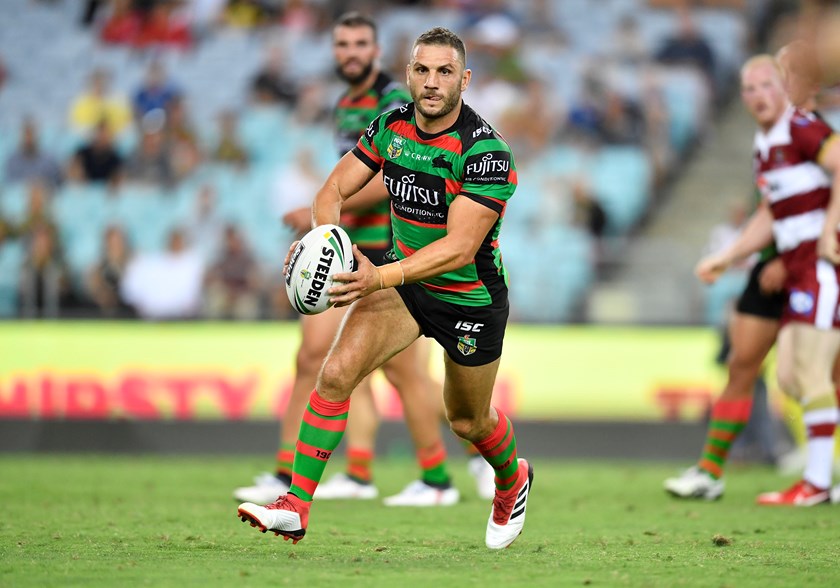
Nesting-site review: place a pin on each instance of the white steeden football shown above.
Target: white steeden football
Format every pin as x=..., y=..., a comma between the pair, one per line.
x=321, y=253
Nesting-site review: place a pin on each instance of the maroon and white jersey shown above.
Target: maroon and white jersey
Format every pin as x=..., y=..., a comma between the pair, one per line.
x=798, y=191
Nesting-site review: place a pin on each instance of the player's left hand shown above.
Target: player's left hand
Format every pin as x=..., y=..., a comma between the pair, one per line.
x=828, y=248
x=349, y=287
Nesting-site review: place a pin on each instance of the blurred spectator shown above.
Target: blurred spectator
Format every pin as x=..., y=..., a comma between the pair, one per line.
x=181, y=138
x=44, y=283
x=3, y=73
x=244, y=14
x=688, y=48
x=90, y=10
x=233, y=282
x=533, y=121
x=105, y=277
x=122, y=24
x=204, y=16
x=150, y=164
x=301, y=17
x=628, y=46
x=97, y=103
x=29, y=162
x=621, y=121
x=98, y=160
x=294, y=188
x=38, y=211
x=271, y=84
x=229, y=148
x=156, y=91
x=163, y=27
x=7, y=231
x=206, y=226
x=588, y=212
x=167, y=285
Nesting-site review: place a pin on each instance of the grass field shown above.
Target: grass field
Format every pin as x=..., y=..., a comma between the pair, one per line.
x=152, y=521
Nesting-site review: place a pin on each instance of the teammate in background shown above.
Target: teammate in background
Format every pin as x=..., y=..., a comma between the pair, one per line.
x=449, y=175
x=794, y=154
x=753, y=328
x=366, y=218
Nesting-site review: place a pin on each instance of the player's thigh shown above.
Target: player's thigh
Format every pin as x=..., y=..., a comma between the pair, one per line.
x=412, y=363
x=375, y=329
x=319, y=330
x=815, y=351
x=468, y=390
x=752, y=337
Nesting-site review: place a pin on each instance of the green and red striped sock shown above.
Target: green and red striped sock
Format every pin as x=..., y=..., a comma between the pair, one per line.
x=320, y=433
x=359, y=464
x=729, y=417
x=499, y=449
x=432, y=461
x=285, y=459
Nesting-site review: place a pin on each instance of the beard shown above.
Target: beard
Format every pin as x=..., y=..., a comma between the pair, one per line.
x=355, y=79
x=448, y=104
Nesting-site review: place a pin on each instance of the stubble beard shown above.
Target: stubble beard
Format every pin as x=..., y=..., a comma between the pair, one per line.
x=355, y=79
x=450, y=101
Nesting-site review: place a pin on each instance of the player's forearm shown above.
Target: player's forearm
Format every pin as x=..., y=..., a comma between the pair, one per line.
x=439, y=257
x=372, y=193
x=832, y=213
x=757, y=235
x=326, y=208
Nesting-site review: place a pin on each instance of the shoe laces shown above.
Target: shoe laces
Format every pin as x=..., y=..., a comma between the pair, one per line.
x=503, y=503
x=283, y=503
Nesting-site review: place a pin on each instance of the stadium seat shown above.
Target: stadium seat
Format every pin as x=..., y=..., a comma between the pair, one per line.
x=621, y=179
x=14, y=202
x=11, y=261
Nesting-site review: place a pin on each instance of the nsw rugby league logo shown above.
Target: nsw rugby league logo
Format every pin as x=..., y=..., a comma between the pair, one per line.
x=395, y=148
x=466, y=345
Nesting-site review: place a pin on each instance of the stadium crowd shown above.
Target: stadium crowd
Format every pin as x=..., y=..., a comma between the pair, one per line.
x=148, y=159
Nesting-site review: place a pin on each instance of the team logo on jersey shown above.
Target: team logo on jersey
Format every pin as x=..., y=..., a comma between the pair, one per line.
x=801, y=302
x=466, y=345
x=443, y=163
x=395, y=148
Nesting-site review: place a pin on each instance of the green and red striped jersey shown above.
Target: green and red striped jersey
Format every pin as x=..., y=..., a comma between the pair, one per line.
x=370, y=227
x=425, y=173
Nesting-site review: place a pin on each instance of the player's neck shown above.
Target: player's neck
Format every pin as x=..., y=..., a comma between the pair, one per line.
x=357, y=90
x=432, y=126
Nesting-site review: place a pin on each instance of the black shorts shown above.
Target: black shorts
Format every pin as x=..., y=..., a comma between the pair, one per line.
x=376, y=255
x=754, y=302
x=470, y=335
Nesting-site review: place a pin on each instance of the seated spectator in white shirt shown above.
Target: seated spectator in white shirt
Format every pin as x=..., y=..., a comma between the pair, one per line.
x=167, y=285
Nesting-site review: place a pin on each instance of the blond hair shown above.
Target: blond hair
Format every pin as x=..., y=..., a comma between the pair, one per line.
x=762, y=59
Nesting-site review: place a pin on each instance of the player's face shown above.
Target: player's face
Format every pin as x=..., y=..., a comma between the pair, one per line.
x=763, y=94
x=436, y=80
x=355, y=52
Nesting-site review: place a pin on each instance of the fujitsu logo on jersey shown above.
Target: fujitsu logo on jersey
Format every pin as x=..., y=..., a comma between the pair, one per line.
x=405, y=190
x=487, y=164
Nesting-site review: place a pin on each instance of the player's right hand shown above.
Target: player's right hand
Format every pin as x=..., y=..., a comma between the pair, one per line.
x=828, y=248
x=710, y=268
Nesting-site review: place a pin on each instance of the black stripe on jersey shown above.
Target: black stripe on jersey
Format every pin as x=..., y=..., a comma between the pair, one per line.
x=493, y=205
x=363, y=157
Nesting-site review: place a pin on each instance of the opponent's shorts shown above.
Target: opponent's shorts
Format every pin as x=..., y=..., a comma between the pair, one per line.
x=756, y=303
x=813, y=294
x=470, y=335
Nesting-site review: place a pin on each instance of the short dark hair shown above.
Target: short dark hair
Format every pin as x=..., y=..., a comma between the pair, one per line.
x=442, y=37
x=355, y=19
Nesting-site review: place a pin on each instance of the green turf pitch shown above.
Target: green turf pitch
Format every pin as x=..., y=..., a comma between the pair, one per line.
x=152, y=521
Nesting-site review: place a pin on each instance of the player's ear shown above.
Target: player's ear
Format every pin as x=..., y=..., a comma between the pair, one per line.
x=465, y=80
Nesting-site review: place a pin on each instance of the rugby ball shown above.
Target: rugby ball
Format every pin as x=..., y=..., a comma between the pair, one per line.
x=323, y=252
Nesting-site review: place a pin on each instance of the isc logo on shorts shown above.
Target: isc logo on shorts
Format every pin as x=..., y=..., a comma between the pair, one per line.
x=801, y=302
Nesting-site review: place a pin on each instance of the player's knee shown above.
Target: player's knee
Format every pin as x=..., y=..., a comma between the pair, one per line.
x=744, y=366
x=308, y=361
x=336, y=379
x=465, y=428
x=788, y=381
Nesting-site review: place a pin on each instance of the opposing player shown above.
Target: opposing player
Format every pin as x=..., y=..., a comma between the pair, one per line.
x=753, y=328
x=366, y=218
x=797, y=163
x=449, y=175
